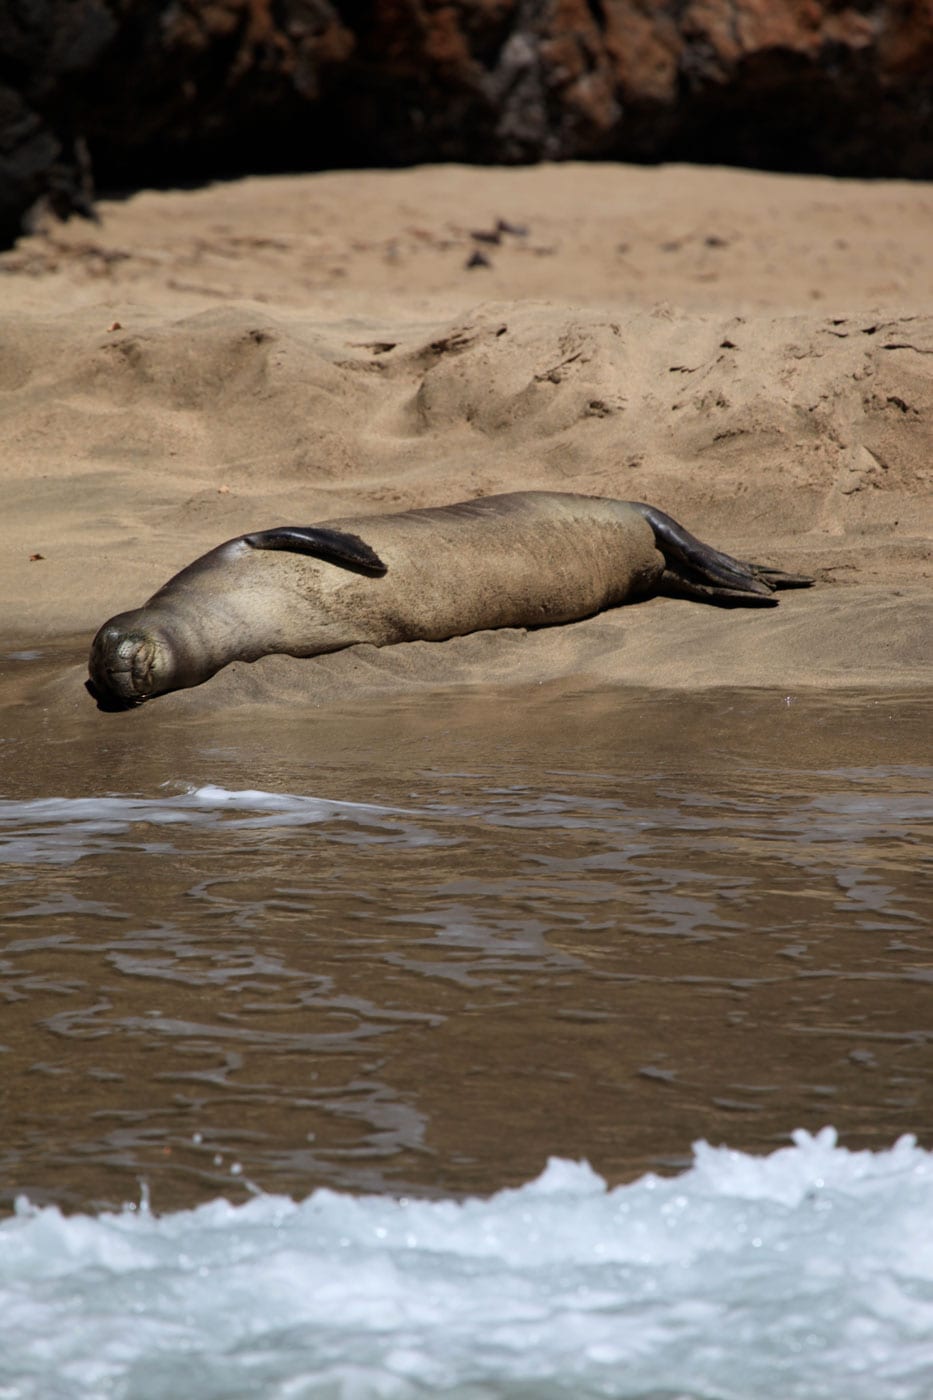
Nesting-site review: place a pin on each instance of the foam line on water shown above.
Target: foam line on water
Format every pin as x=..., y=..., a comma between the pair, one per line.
x=60, y=830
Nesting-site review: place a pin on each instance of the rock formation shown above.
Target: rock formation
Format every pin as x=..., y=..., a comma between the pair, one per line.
x=110, y=93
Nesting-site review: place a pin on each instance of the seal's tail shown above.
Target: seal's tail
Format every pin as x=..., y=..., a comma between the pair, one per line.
x=696, y=570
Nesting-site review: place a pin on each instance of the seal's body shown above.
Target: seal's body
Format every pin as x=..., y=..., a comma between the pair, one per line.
x=522, y=560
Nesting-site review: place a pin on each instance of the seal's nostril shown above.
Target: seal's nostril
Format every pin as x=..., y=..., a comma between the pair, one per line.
x=107, y=701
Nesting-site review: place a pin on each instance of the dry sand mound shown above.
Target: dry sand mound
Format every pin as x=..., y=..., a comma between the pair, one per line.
x=144, y=418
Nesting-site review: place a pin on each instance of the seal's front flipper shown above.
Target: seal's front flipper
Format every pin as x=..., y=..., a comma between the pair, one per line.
x=696, y=570
x=333, y=546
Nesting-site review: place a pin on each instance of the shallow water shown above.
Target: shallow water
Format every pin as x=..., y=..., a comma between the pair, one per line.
x=423, y=945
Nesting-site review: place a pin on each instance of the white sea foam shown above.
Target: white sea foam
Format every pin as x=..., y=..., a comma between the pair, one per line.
x=808, y=1273
x=62, y=830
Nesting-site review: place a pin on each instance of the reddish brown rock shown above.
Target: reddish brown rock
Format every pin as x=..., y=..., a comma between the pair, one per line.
x=131, y=94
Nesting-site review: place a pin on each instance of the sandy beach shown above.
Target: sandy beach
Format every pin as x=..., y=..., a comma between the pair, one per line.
x=752, y=353
x=413, y=919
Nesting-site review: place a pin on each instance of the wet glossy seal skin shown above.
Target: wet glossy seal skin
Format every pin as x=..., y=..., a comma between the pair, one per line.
x=528, y=559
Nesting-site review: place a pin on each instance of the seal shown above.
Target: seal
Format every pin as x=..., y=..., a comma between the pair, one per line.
x=527, y=559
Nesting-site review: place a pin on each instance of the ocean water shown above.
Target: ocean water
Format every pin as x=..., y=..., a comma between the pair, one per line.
x=295, y=1008
x=806, y=1274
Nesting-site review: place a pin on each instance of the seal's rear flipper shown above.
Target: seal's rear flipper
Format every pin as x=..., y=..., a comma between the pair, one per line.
x=696, y=570
x=778, y=578
x=333, y=546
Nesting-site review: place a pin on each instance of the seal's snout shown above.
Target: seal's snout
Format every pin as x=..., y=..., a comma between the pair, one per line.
x=109, y=703
x=124, y=665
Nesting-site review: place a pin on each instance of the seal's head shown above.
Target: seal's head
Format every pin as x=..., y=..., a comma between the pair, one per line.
x=130, y=660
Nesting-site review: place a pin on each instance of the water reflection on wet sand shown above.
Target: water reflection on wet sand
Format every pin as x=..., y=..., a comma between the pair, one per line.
x=587, y=924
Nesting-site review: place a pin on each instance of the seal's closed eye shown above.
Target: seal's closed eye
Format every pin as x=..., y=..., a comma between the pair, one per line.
x=333, y=546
